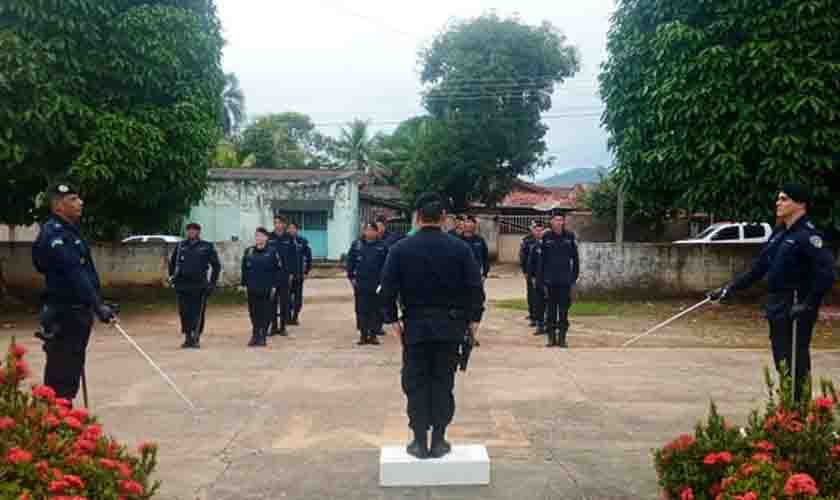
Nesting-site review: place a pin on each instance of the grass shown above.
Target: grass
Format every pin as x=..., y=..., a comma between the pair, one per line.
x=583, y=308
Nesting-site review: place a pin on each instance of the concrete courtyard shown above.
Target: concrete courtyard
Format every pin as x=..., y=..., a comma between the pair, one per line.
x=304, y=419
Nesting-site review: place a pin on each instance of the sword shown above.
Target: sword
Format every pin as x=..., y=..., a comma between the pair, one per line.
x=668, y=321
x=154, y=365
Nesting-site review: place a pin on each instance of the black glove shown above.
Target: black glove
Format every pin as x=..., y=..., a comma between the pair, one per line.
x=799, y=310
x=104, y=313
x=719, y=294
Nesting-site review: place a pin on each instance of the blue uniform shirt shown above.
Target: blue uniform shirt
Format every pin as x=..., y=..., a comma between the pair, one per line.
x=793, y=259
x=64, y=258
x=261, y=269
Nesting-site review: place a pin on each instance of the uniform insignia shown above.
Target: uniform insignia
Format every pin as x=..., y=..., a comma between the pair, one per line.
x=57, y=225
x=816, y=241
x=63, y=189
x=810, y=225
x=82, y=261
x=56, y=242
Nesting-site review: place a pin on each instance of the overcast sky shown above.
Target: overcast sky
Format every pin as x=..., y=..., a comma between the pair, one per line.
x=336, y=60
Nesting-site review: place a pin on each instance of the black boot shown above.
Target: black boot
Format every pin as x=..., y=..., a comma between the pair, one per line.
x=561, y=339
x=254, y=338
x=418, y=448
x=440, y=446
x=196, y=343
x=186, y=344
x=540, y=328
x=531, y=322
x=552, y=337
x=362, y=339
x=372, y=339
x=261, y=335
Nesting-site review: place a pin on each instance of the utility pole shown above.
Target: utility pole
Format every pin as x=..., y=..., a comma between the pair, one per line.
x=619, y=215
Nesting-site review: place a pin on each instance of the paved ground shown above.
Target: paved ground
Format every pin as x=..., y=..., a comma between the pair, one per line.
x=304, y=419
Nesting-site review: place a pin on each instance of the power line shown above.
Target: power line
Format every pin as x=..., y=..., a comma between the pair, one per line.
x=523, y=79
x=557, y=116
x=372, y=20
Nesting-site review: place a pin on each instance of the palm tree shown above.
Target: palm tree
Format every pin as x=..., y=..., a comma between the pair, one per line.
x=356, y=149
x=234, y=103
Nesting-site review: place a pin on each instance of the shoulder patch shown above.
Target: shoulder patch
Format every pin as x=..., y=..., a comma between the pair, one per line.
x=810, y=225
x=816, y=241
x=56, y=242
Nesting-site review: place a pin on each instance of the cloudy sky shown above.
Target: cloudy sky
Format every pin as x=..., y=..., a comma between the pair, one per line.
x=337, y=60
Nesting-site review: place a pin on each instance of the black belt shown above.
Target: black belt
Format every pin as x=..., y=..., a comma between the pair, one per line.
x=439, y=313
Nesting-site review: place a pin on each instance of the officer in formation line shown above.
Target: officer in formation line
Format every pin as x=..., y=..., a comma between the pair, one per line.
x=364, y=268
x=535, y=296
x=262, y=268
x=477, y=244
x=556, y=266
x=72, y=296
x=283, y=245
x=439, y=286
x=300, y=263
x=800, y=271
x=188, y=268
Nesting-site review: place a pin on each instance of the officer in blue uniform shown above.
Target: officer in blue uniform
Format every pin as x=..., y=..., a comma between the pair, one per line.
x=300, y=265
x=72, y=296
x=439, y=286
x=558, y=267
x=188, y=266
x=799, y=270
x=282, y=243
x=536, y=297
x=476, y=244
x=530, y=241
x=261, y=269
x=390, y=238
x=364, y=268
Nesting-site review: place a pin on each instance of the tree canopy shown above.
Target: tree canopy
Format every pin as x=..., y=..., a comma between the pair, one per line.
x=285, y=140
x=714, y=105
x=120, y=96
x=487, y=82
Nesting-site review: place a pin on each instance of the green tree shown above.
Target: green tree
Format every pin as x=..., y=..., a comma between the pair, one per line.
x=285, y=140
x=487, y=82
x=402, y=149
x=356, y=148
x=234, y=103
x=713, y=105
x=120, y=96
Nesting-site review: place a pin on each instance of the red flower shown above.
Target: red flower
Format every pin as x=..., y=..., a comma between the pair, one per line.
x=44, y=392
x=6, y=423
x=43, y=469
x=24, y=496
x=762, y=457
x=750, y=495
x=835, y=451
x=825, y=404
x=73, y=423
x=85, y=446
x=51, y=421
x=92, y=432
x=764, y=445
x=800, y=484
x=687, y=494
x=18, y=456
x=135, y=488
x=17, y=350
x=58, y=486
x=723, y=457
x=727, y=482
x=794, y=426
x=108, y=464
x=80, y=414
x=715, y=489
x=124, y=470
x=63, y=403
x=22, y=370
x=74, y=482
x=746, y=470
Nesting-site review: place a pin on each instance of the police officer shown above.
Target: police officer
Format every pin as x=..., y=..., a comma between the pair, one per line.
x=261, y=268
x=530, y=241
x=800, y=270
x=536, y=297
x=72, y=296
x=390, y=238
x=188, y=267
x=299, y=266
x=558, y=267
x=440, y=289
x=458, y=230
x=364, y=268
x=282, y=243
x=476, y=244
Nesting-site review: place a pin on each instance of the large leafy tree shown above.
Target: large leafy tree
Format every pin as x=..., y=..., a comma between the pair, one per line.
x=285, y=140
x=234, y=102
x=356, y=147
x=713, y=105
x=487, y=82
x=402, y=150
x=121, y=96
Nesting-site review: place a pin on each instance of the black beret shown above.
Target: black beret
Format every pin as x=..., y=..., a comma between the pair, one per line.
x=61, y=189
x=426, y=199
x=194, y=225
x=797, y=192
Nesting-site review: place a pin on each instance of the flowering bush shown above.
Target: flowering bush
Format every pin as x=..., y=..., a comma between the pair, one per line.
x=50, y=450
x=790, y=450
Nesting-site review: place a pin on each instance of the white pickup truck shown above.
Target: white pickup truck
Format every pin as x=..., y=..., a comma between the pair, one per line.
x=724, y=233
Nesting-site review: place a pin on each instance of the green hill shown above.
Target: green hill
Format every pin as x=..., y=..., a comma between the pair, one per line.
x=574, y=176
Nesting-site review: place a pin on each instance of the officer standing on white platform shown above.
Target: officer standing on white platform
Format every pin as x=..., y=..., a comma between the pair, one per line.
x=441, y=295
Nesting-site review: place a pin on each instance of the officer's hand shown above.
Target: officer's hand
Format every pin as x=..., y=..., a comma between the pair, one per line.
x=719, y=294
x=799, y=310
x=474, y=327
x=396, y=329
x=105, y=314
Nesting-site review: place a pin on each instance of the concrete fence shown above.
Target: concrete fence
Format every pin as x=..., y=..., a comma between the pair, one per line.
x=629, y=270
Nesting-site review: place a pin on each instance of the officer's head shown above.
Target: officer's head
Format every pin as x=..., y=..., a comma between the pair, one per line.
x=470, y=224
x=558, y=222
x=537, y=229
x=370, y=231
x=280, y=223
x=792, y=202
x=293, y=229
x=193, y=230
x=430, y=210
x=381, y=225
x=261, y=236
x=459, y=225
x=65, y=201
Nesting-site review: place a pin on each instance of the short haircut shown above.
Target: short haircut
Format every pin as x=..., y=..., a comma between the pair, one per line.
x=281, y=218
x=430, y=207
x=471, y=218
x=297, y=226
x=262, y=230
x=369, y=225
x=381, y=218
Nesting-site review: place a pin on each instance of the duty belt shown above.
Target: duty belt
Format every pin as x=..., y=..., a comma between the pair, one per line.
x=439, y=313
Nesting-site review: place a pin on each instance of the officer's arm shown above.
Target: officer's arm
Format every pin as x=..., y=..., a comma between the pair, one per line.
x=172, y=260
x=575, y=261
x=539, y=264
x=69, y=260
x=351, y=262
x=475, y=288
x=307, y=258
x=215, y=264
x=244, y=267
x=389, y=287
x=822, y=262
x=485, y=257
x=760, y=266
